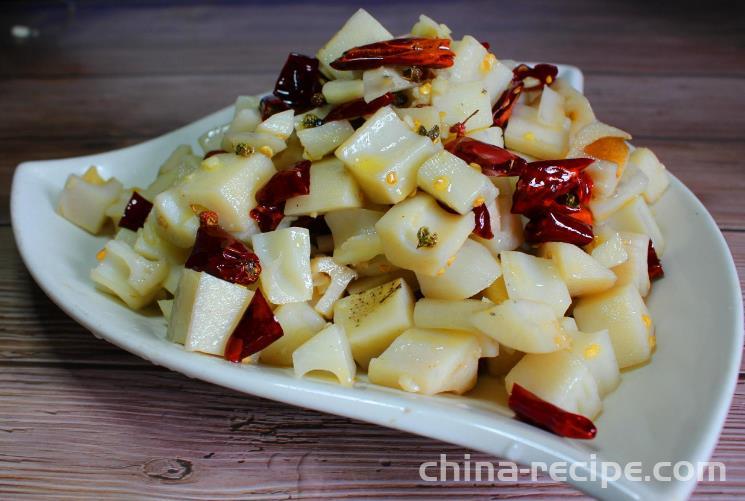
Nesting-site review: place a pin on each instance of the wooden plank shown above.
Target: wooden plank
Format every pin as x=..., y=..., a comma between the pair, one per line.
x=34, y=330
x=712, y=171
x=65, y=432
x=729, y=451
x=195, y=39
x=736, y=242
x=668, y=107
x=117, y=107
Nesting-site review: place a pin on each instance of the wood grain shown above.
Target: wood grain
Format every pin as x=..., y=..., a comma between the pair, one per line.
x=80, y=418
x=632, y=37
x=205, y=442
x=200, y=442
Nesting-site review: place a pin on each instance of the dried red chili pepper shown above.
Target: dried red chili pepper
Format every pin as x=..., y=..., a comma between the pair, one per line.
x=359, y=108
x=534, y=410
x=556, y=227
x=483, y=222
x=268, y=217
x=271, y=197
x=299, y=82
x=542, y=183
x=286, y=184
x=502, y=109
x=135, y=212
x=257, y=329
x=584, y=191
x=486, y=45
x=220, y=254
x=578, y=212
x=422, y=52
x=573, y=203
x=544, y=73
x=654, y=266
x=493, y=160
x=270, y=105
x=553, y=194
x=459, y=128
x=481, y=216
x=212, y=153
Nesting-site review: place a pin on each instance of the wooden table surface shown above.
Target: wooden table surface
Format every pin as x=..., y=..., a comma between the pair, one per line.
x=80, y=417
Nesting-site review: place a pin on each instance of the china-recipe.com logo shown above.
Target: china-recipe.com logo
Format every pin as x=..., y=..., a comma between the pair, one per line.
x=467, y=470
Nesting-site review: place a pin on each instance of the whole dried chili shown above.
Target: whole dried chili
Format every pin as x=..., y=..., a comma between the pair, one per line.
x=534, y=410
x=459, y=128
x=359, y=108
x=554, y=194
x=482, y=219
x=135, y=212
x=545, y=74
x=654, y=266
x=220, y=254
x=502, y=109
x=420, y=52
x=270, y=105
x=299, y=82
x=557, y=227
x=493, y=160
x=483, y=222
x=257, y=329
x=283, y=185
x=268, y=217
x=542, y=183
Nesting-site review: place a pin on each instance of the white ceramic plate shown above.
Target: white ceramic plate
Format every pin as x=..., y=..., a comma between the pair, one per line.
x=669, y=410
